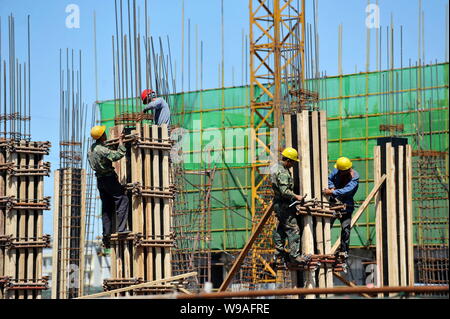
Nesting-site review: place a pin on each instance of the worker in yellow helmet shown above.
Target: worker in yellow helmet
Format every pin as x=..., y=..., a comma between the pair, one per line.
x=288, y=225
x=112, y=193
x=343, y=184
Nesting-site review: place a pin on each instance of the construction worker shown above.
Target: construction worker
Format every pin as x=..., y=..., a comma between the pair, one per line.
x=112, y=193
x=343, y=183
x=288, y=226
x=158, y=104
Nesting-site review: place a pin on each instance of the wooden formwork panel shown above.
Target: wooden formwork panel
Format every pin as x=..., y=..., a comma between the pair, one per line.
x=393, y=205
x=145, y=254
x=21, y=218
x=69, y=233
x=306, y=131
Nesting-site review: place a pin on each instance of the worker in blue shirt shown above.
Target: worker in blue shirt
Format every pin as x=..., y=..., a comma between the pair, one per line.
x=159, y=106
x=342, y=185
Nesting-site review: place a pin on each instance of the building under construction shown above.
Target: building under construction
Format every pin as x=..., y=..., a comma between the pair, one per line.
x=201, y=212
x=408, y=102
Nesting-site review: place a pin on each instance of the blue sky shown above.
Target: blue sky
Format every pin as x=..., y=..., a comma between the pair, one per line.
x=49, y=33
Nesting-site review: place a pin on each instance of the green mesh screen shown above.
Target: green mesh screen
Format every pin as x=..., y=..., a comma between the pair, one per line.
x=415, y=99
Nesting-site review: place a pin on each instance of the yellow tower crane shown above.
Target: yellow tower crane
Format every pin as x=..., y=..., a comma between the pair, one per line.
x=277, y=42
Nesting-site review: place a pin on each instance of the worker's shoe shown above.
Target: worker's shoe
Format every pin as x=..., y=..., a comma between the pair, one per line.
x=302, y=259
x=344, y=268
x=280, y=257
x=342, y=256
x=124, y=232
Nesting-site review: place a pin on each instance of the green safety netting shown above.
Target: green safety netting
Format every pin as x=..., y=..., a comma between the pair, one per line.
x=356, y=106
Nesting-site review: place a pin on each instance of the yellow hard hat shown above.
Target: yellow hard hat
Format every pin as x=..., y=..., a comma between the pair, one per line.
x=97, y=131
x=291, y=153
x=343, y=164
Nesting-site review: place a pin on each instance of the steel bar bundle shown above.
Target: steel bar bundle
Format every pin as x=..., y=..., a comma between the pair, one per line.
x=69, y=215
x=192, y=229
x=91, y=208
x=22, y=171
x=306, y=131
x=431, y=192
x=394, y=233
x=135, y=69
x=144, y=254
x=69, y=226
x=15, y=85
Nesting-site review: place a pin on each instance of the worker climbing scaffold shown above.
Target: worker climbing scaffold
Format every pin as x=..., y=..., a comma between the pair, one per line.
x=112, y=193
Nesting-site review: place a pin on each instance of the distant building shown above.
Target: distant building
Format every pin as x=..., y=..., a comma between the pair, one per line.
x=96, y=270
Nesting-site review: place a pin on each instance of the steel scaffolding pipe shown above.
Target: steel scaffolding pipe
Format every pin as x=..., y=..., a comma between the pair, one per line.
x=317, y=291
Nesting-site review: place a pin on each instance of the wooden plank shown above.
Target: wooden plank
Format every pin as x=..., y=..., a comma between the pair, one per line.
x=30, y=232
x=11, y=222
x=148, y=205
x=63, y=190
x=409, y=216
x=287, y=130
x=39, y=224
x=119, y=259
x=391, y=217
x=114, y=259
x=126, y=259
x=64, y=235
x=143, y=285
x=315, y=153
x=317, y=182
x=323, y=153
x=166, y=203
x=378, y=183
x=137, y=206
x=56, y=234
x=378, y=217
x=123, y=161
x=120, y=165
x=401, y=217
x=327, y=250
x=157, y=207
x=324, y=184
x=304, y=139
x=238, y=261
x=22, y=223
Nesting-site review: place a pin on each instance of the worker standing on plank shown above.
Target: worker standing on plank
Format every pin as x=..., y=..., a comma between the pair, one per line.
x=288, y=226
x=343, y=183
x=158, y=105
x=112, y=193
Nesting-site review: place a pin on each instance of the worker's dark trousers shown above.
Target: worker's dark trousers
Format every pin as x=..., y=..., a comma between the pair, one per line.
x=345, y=220
x=114, y=203
x=288, y=228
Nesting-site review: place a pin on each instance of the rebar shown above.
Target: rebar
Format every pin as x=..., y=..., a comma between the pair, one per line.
x=16, y=88
x=68, y=231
